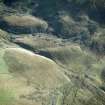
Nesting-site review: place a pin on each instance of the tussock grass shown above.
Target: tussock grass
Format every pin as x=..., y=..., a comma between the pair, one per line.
x=25, y=21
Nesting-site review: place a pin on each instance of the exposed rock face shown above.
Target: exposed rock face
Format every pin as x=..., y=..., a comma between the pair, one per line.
x=23, y=24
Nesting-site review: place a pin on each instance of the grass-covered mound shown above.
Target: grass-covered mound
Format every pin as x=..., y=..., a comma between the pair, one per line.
x=23, y=24
x=37, y=70
x=38, y=41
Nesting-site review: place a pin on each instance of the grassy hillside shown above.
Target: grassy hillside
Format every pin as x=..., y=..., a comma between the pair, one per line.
x=52, y=52
x=69, y=56
x=79, y=65
x=27, y=74
x=33, y=68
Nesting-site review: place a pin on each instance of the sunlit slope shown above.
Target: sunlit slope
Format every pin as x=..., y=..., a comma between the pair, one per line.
x=36, y=69
x=26, y=76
